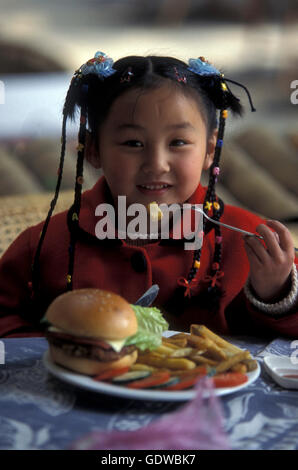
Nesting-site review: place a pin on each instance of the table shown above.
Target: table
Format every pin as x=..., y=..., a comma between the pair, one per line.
x=38, y=411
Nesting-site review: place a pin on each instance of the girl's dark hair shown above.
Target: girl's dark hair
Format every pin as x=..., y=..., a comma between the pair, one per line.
x=148, y=73
x=93, y=97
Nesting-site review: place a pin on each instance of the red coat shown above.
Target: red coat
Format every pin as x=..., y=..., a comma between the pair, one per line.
x=130, y=270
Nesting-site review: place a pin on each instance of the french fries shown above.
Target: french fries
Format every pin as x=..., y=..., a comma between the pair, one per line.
x=204, y=332
x=178, y=342
x=185, y=353
x=232, y=361
x=166, y=362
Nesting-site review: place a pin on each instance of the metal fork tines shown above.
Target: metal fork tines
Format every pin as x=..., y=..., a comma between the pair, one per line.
x=236, y=229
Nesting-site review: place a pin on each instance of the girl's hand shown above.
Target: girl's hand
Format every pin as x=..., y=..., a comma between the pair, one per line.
x=270, y=266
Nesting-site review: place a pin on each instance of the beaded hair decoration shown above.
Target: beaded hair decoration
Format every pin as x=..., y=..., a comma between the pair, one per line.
x=102, y=67
x=212, y=205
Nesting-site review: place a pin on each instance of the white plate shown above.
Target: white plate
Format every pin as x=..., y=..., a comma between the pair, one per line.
x=280, y=366
x=90, y=384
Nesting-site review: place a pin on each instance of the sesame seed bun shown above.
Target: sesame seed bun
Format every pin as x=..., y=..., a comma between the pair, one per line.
x=93, y=313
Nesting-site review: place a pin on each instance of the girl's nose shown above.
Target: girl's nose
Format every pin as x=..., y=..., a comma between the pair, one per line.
x=156, y=161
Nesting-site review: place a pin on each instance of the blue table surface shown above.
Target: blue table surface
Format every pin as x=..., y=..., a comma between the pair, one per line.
x=39, y=411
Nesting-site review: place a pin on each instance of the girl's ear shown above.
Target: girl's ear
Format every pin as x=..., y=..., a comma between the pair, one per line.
x=211, y=144
x=91, y=151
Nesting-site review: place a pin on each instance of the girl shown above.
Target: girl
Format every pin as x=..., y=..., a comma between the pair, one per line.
x=151, y=124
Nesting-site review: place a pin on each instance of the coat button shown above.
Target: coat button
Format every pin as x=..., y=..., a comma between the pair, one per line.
x=138, y=262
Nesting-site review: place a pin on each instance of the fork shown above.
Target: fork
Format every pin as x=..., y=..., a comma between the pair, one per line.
x=230, y=227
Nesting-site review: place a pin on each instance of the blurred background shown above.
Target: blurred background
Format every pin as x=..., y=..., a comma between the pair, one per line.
x=252, y=41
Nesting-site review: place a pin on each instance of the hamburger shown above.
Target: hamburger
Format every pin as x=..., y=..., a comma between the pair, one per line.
x=88, y=329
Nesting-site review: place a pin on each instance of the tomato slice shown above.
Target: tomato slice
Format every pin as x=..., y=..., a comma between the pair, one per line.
x=198, y=371
x=156, y=378
x=229, y=379
x=189, y=379
x=110, y=373
x=185, y=382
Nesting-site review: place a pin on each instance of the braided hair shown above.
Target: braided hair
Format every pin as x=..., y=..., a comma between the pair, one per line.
x=93, y=89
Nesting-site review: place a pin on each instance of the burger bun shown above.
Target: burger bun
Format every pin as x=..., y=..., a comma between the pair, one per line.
x=94, y=313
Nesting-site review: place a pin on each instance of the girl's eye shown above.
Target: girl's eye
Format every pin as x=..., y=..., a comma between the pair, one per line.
x=178, y=142
x=133, y=143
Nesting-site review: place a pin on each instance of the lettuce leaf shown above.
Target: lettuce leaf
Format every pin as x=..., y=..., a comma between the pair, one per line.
x=151, y=325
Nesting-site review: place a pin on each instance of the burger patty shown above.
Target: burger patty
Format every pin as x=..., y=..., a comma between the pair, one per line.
x=87, y=348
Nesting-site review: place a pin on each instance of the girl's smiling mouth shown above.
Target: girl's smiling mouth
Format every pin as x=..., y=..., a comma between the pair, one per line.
x=154, y=187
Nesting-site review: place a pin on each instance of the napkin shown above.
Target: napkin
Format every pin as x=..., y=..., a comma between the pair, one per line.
x=198, y=425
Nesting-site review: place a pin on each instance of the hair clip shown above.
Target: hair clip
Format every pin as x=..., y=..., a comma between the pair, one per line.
x=127, y=75
x=100, y=65
x=179, y=77
x=202, y=67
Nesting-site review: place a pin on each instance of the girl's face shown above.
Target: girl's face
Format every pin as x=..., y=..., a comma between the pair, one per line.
x=153, y=146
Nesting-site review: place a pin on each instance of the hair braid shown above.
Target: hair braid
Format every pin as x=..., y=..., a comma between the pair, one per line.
x=35, y=264
x=211, y=200
x=75, y=213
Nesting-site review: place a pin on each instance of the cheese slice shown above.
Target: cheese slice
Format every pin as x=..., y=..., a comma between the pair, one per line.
x=55, y=329
x=116, y=345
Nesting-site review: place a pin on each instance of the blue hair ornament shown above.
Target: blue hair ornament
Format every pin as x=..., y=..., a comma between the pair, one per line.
x=101, y=65
x=201, y=67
